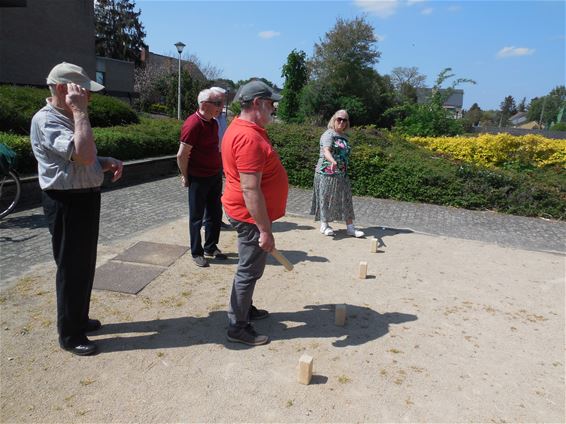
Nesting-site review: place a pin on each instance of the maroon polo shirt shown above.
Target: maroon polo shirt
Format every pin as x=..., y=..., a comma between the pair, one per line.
x=202, y=135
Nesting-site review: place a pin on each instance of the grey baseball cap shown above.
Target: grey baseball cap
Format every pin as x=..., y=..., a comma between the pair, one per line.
x=65, y=73
x=257, y=88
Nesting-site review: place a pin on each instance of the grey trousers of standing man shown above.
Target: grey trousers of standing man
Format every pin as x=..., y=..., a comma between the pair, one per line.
x=250, y=269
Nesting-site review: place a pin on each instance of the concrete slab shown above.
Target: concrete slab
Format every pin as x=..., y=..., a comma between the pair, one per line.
x=147, y=252
x=125, y=277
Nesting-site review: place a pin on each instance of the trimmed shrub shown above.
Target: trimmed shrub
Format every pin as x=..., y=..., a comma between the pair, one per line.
x=25, y=161
x=106, y=111
x=19, y=104
x=500, y=150
x=150, y=138
x=383, y=165
x=386, y=165
x=298, y=147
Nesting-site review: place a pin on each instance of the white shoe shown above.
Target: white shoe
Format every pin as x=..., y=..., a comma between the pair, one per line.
x=327, y=231
x=355, y=233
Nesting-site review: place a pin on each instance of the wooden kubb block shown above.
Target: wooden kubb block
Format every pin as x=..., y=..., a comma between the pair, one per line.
x=340, y=315
x=373, y=247
x=363, y=272
x=305, y=369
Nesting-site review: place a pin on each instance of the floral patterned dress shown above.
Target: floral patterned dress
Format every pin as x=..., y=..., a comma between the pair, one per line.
x=332, y=194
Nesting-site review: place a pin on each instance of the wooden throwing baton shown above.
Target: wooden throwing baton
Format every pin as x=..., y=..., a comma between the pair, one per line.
x=282, y=259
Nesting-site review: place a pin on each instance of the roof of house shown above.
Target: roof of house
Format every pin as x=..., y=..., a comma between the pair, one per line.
x=518, y=115
x=456, y=99
x=531, y=125
x=172, y=63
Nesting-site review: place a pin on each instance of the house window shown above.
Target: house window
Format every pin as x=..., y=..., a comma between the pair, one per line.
x=100, y=77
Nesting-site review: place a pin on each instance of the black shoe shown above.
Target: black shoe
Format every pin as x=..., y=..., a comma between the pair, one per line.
x=200, y=261
x=93, y=325
x=256, y=314
x=79, y=345
x=246, y=335
x=216, y=254
x=225, y=226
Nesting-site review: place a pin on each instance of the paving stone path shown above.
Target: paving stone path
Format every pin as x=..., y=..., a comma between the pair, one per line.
x=25, y=241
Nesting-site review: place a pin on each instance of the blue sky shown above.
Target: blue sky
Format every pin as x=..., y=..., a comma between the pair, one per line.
x=508, y=47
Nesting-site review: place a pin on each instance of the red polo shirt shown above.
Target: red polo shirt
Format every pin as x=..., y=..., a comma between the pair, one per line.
x=246, y=148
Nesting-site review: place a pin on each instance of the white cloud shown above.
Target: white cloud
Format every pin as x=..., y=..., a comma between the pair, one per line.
x=379, y=37
x=268, y=34
x=427, y=11
x=380, y=8
x=413, y=2
x=454, y=8
x=514, y=51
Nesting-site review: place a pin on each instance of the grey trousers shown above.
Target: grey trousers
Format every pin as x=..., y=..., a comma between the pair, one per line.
x=250, y=269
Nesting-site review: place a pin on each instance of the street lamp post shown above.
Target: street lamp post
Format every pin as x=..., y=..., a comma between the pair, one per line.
x=180, y=46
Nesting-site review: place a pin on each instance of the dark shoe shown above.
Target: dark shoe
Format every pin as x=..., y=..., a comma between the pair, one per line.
x=93, y=325
x=257, y=314
x=217, y=254
x=79, y=345
x=225, y=226
x=200, y=261
x=246, y=335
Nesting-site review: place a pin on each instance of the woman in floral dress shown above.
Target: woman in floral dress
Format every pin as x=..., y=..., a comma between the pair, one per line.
x=332, y=195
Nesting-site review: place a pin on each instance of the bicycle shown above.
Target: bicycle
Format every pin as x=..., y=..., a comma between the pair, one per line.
x=10, y=186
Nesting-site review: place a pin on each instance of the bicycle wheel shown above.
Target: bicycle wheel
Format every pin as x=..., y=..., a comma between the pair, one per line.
x=10, y=191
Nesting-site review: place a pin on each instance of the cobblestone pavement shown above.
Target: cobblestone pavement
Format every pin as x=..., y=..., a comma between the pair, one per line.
x=25, y=241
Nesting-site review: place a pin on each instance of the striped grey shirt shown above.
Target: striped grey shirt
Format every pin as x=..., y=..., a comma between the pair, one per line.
x=52, y=141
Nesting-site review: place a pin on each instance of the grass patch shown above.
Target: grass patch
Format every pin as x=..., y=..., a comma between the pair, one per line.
x=344, y=379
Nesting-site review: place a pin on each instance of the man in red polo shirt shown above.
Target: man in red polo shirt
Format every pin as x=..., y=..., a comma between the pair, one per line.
x=200, y=164
x=255, y=195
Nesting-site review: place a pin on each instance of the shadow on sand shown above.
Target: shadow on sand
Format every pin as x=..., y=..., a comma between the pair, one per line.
x=362, y=326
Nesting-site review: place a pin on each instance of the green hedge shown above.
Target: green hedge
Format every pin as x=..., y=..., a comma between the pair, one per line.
x=385, y=165
x=150, y=138
x=19, y=104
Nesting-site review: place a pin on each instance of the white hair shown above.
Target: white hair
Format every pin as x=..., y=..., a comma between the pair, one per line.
x=207, y=93
x=204, y=95
x=218, y=90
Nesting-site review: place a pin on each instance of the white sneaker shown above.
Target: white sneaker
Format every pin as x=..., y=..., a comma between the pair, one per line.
x=355, y=233
x=327, y=231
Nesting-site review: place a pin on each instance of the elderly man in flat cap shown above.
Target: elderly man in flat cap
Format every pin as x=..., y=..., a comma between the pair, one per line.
x=70, y=174
x=255, y=195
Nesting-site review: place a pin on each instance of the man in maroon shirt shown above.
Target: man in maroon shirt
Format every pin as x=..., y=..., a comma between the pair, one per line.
x=200, y=164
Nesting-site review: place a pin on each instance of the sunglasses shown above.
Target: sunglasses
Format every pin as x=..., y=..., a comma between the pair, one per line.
x=217, y=103
x=342, y=119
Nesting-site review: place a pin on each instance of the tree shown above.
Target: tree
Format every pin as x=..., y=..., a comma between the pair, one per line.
x=146, y=79
x=346, y=54
x=545, y=109
x=119, y=33
x=210, y=71
x=430, y=119
x=296, y=76
x=406, y=81
x=472, y=117
x=507, y=108
x=522, y=106
x=265, y=80
x=342, y=73
x=190, y=87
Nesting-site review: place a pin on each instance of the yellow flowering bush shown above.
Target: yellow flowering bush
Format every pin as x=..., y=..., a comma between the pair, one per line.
x=497, y=150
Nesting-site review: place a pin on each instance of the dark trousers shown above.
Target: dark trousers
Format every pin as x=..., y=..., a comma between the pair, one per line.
x=204, y=194
x=73, y=217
